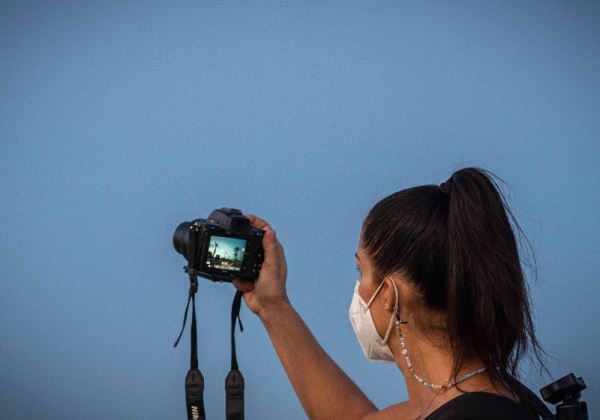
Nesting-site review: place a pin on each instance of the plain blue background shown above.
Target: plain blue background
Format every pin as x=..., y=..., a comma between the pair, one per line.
x=121, y=119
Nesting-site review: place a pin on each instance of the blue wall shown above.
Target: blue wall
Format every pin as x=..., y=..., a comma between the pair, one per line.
x=119, y=120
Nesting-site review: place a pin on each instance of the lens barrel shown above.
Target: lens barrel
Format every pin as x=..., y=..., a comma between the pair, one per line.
x=181, y=238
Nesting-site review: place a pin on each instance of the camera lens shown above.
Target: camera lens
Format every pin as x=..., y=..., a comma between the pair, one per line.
x=181, y=238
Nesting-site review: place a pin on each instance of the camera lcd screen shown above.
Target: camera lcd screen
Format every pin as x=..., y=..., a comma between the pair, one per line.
x=225, y=253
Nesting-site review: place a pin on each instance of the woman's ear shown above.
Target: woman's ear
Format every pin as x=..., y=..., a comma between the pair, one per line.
x=390, y=294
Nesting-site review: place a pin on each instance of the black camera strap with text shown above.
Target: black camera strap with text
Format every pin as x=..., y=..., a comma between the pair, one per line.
x=194, y=381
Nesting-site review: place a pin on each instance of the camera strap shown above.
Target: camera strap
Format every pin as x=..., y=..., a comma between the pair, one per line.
x=534, y=402
x=194, y=381
x=234, y=382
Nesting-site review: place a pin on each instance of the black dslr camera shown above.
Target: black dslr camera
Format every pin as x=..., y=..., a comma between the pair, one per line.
x=221, y=247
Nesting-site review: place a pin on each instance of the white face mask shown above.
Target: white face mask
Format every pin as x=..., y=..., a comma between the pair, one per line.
x=373, y=346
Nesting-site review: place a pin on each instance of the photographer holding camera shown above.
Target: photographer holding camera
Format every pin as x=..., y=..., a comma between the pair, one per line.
x=441, y=294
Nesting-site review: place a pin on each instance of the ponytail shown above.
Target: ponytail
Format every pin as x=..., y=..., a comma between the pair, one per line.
x=488, y=310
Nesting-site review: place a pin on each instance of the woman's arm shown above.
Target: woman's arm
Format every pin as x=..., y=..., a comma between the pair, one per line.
x=323, y=389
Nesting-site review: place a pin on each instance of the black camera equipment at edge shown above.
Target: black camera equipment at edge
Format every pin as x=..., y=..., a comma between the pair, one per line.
x=225, y=246
x=565, y=394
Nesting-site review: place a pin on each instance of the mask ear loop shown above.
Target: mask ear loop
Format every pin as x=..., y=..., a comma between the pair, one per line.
x=374, y=295
x=396, y=314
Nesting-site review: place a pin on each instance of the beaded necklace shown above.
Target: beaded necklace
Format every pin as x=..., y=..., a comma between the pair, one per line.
x=448, y=384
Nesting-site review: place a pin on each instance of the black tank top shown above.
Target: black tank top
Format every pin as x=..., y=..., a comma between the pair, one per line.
x=481, y=406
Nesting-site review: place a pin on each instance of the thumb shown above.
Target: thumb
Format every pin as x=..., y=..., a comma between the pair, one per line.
x=270, y=244
x=243, y=286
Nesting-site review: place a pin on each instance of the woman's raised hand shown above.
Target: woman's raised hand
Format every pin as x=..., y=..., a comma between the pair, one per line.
x=269, y=289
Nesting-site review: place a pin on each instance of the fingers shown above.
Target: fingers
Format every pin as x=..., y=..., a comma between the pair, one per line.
x=243, y=285
x=257, y=222
x=271, y=245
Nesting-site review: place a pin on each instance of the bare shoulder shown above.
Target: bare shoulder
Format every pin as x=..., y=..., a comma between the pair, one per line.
x=400, y=411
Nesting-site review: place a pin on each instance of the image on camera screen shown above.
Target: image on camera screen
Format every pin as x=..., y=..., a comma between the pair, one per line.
x=225, y=253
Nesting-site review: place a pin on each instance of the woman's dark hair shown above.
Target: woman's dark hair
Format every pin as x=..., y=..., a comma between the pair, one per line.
x=455, y=244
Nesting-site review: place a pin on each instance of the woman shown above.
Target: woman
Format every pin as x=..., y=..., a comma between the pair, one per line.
x=441, y=294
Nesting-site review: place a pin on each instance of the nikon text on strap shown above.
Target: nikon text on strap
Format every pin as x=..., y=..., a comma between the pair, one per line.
x=194, y=381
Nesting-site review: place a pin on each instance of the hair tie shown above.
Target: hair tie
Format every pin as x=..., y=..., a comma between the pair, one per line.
x=446, y=187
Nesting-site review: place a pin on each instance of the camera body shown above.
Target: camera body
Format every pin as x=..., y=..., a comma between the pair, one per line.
x=221, y=247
